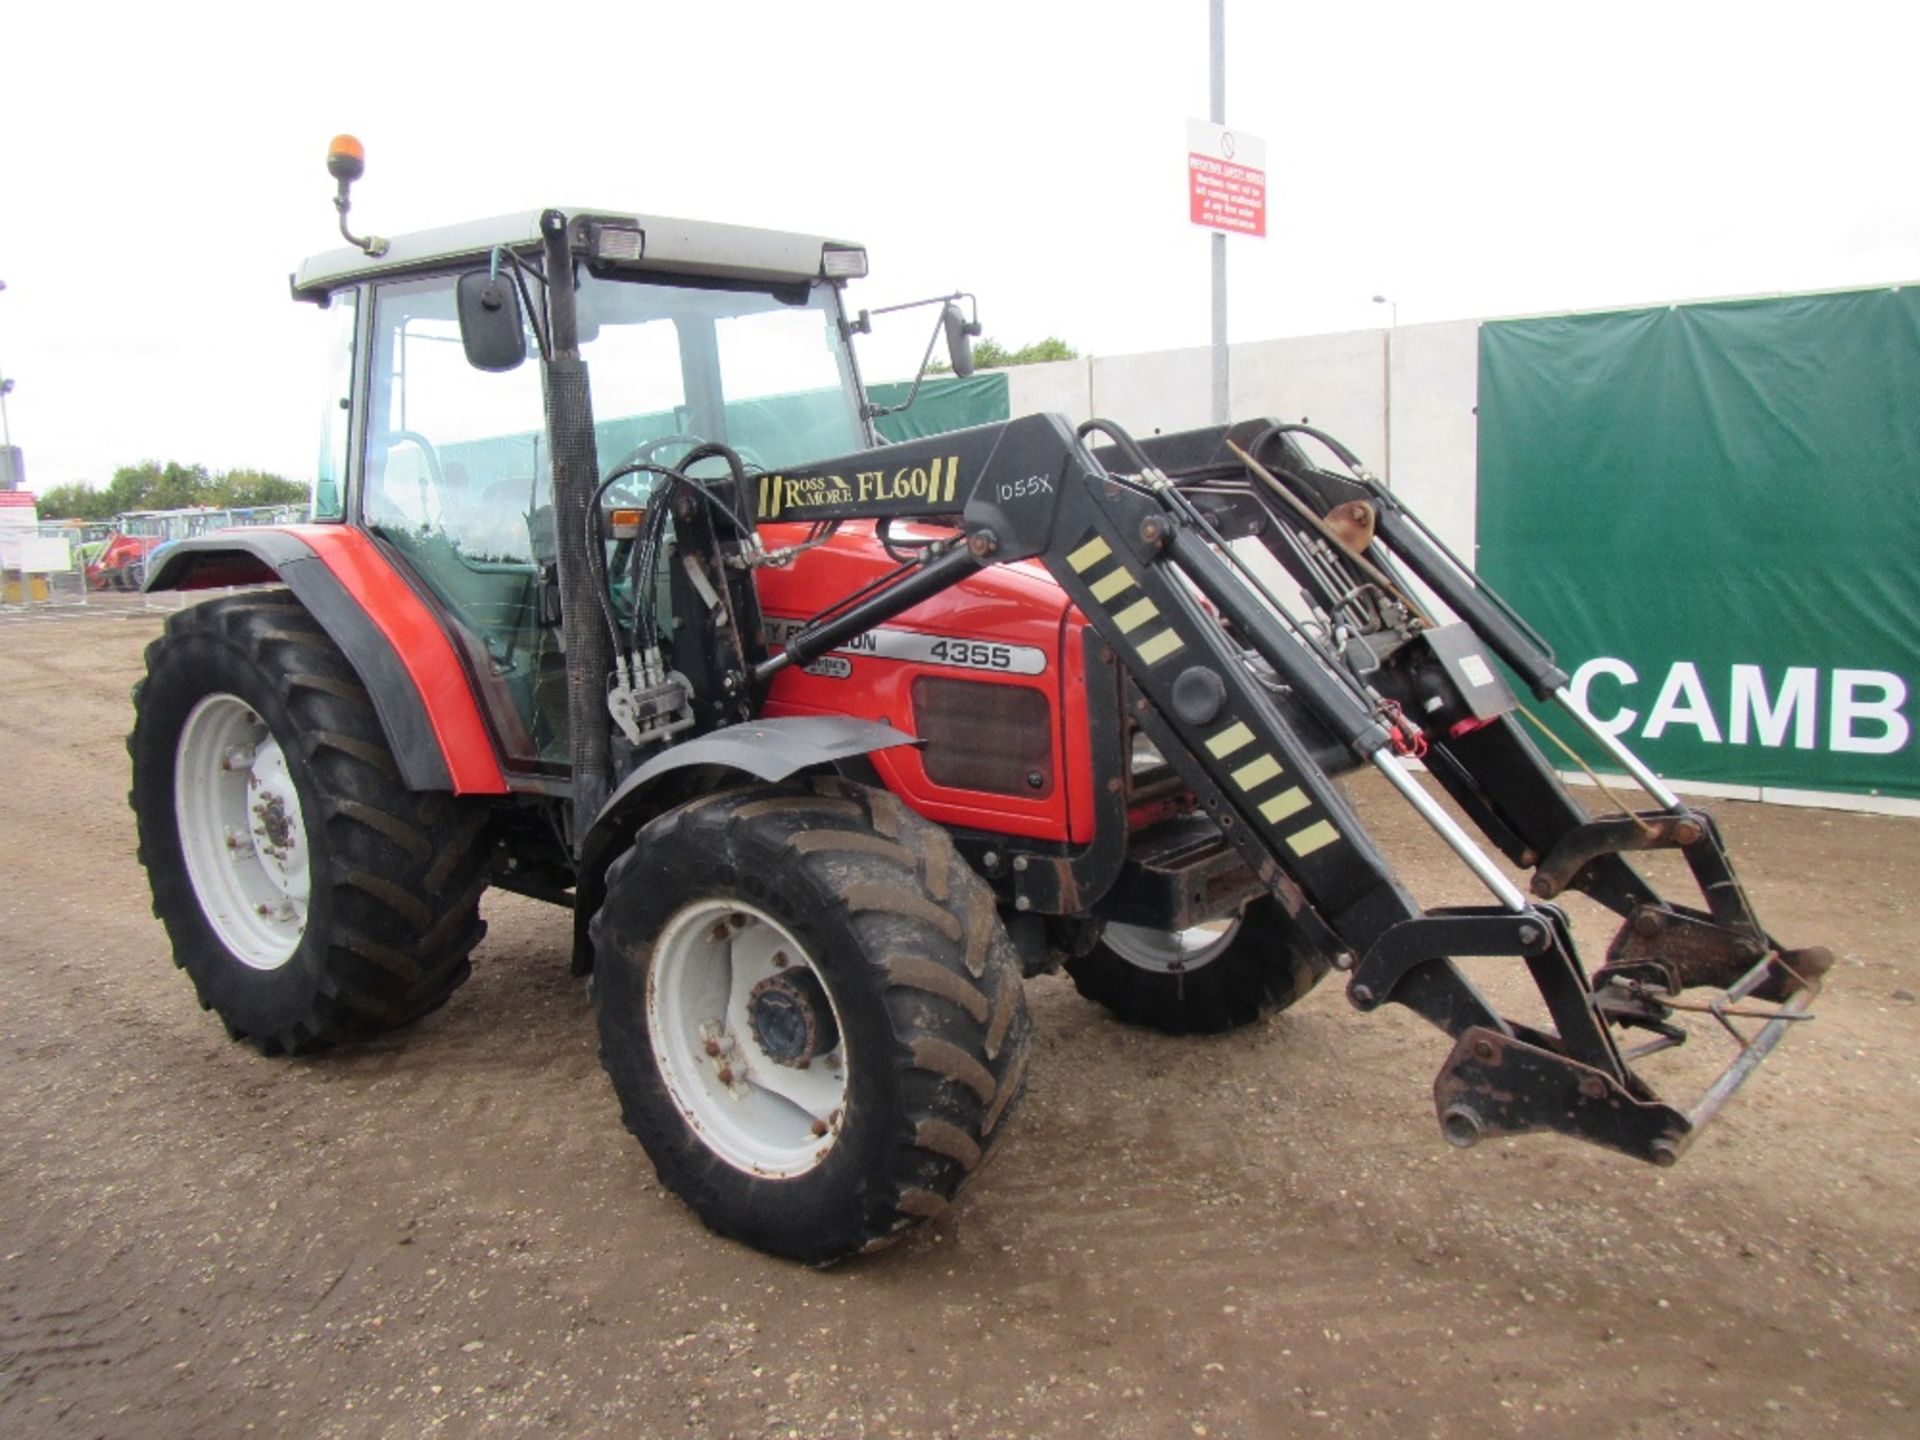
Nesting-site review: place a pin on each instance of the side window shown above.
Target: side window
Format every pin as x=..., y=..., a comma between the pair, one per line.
x=454, y=476
x=330, y=473
x=452, y=452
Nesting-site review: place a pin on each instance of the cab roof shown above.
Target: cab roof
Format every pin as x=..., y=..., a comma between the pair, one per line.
x=670, y=246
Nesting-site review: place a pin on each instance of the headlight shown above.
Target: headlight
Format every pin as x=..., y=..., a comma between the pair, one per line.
x=843, y=262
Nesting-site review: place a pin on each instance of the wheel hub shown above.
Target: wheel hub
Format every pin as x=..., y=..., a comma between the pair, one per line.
x=745, y=1036
x=242, y=833
x=791, y=1019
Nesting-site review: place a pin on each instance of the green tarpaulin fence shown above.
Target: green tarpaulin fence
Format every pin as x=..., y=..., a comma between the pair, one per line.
x=946, y=403
x=1713, y=513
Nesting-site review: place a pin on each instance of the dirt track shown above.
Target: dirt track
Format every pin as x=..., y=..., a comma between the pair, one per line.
x=449, y=1232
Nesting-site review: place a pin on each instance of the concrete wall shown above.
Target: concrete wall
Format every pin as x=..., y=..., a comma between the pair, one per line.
x=1337, y=383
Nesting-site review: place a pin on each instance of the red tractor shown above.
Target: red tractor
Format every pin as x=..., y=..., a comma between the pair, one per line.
x=121, y=561
x=827, y=743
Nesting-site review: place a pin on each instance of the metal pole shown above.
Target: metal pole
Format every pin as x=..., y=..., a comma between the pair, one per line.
x=1217, y=113
x=1625, y=758
x=1386, y=460
x=1504, y=890
x=1386, y=385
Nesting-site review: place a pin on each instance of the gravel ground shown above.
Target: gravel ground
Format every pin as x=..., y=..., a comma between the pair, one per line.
x=448, y=1231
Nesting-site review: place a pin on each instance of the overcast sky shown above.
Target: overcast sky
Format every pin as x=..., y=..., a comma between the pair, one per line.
x=162, y=169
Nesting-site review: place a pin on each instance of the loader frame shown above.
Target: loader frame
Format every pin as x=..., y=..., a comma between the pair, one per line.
x=1158, y=581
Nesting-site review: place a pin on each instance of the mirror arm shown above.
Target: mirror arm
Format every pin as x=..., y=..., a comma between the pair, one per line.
x=872, y=411
x=520, y=273
x=863, y=325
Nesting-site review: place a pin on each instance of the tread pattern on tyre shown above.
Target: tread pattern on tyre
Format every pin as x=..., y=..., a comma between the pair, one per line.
x=1267, y=968
x=932, y=953
x=398, y=874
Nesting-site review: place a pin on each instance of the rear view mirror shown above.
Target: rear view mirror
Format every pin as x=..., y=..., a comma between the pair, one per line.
x=492, y=330
x=959, y=339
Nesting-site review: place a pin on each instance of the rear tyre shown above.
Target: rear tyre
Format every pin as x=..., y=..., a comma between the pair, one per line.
x=810, y=1012
x=1202, y=980
x=310, y=896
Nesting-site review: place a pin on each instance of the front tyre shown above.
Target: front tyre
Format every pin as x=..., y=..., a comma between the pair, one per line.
x=810, y=1012
x=310, y=896
x=1204, y=979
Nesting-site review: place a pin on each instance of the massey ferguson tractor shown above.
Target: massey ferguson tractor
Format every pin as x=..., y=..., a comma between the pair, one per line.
x=613, y=597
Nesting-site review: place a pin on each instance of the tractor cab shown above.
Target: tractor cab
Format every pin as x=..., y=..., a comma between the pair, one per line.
x=693, y=334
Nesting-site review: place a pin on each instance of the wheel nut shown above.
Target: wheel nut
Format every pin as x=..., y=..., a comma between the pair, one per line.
x=779, y=959
x=819, y=1127
x=726, y=1074
x=713, y=1047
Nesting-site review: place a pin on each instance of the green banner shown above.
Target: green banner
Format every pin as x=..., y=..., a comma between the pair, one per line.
x=1713, y=513
x=944, y=403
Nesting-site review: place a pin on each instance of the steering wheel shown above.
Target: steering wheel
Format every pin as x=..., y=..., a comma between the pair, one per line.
x=644, y=452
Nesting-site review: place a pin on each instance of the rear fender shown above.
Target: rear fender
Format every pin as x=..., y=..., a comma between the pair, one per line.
x=768, y=749
x=420, y=690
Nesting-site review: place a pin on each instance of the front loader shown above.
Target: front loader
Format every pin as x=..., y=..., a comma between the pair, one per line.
x=828, y=743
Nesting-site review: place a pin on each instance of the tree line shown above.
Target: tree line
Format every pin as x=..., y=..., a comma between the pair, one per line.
x=990, y=354
x=153, y=485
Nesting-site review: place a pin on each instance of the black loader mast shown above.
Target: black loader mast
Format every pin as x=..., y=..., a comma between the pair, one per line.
x=1258, y=708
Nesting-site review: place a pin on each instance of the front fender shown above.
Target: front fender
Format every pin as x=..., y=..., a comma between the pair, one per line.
x=766, y=749
x=420, y=690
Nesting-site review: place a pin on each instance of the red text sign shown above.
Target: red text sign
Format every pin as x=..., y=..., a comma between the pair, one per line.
x=1226, y=179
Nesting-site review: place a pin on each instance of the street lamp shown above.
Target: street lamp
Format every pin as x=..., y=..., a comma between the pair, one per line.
x=1386, y=385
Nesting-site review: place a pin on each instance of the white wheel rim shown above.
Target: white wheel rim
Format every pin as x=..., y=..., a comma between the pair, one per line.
x=1172, y=952
x=757, y=1113
x=241, y=831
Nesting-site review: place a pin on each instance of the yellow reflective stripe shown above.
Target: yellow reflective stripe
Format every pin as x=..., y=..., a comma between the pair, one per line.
x=1089, y=554
x=1110, y=585
x=1287, y=802
x=1136, y=615
x=1159, y=647
x=1316, y=836
x=1235, y=737
x=1256, y=772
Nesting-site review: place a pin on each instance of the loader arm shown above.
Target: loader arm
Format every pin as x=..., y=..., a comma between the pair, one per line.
x=1258, y=709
